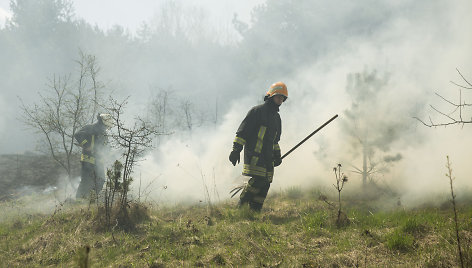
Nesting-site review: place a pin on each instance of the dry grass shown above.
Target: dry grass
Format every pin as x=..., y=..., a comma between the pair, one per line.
x=300, y=233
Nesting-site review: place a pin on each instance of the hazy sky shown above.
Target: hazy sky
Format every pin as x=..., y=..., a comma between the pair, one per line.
x=4, y=11
x=130, y=14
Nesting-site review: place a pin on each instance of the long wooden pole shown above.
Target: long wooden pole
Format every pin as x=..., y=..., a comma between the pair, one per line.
x=309, y=136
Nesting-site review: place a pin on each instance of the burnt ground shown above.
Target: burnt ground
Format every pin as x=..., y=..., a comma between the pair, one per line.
x=30, y=171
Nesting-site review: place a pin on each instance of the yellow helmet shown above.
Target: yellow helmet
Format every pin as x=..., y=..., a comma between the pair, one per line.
x=278, y=88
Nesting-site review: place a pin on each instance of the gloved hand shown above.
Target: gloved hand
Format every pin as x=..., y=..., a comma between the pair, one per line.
x=277, y=161
x=234, y=157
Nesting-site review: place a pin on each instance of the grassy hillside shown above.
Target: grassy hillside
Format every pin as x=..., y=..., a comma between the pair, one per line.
x=295, y=229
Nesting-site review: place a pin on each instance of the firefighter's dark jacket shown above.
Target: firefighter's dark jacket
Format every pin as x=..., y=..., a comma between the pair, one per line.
x=259, y=133
x=91, y=138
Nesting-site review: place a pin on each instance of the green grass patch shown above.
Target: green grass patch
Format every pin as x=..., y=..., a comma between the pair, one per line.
x=413, y=226
x=314, y=222
x=398, y=240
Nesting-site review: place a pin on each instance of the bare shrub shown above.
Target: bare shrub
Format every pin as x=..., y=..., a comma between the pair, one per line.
x=132, y=143
x=341, y=178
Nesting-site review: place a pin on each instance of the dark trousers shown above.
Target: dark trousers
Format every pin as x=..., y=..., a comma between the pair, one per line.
x=255, y=193
x=92, y=179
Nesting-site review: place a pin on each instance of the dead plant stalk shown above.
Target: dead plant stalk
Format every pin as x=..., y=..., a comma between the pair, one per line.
x=453, y=200
x=340, y=180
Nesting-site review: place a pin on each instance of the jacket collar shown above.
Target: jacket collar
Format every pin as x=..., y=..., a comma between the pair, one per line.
x=270, y=104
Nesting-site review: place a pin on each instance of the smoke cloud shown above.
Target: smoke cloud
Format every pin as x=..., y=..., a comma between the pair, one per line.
x=4, y=15
x=416, y=46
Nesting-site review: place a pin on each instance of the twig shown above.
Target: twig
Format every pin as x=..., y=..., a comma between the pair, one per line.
x=458, y=106
x=464, y=79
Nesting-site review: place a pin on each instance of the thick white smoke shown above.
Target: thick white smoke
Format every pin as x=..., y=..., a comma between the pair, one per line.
x=419, y=52
x=184, y=169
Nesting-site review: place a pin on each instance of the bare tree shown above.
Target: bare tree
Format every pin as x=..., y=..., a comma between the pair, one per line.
x=89, y=70
x=161, y=112
x=191, y=116
x=456, y=114
x=169, y=113
x=187, y=110
x=186, y=24
x=67, y=104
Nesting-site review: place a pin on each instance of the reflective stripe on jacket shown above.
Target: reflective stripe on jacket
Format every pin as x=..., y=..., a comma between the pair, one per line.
x=90, y=137
x=259, y=134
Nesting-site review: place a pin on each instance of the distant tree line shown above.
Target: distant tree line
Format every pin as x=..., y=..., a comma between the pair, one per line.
x=177, y=49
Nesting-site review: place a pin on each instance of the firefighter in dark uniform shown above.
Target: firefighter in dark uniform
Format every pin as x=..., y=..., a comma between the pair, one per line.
x=259, y=134
x=92, y=139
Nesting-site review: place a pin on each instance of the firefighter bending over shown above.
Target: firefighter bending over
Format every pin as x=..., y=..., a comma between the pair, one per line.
x=259, y=134
x=92, y=139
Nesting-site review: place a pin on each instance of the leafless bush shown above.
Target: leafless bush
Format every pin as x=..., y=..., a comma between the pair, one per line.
x=132, y=142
